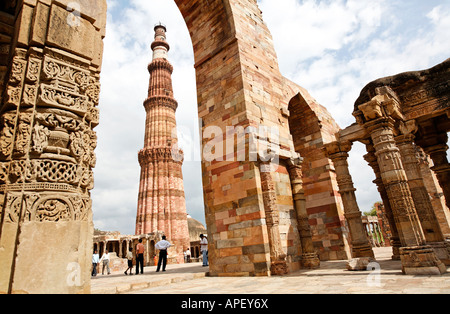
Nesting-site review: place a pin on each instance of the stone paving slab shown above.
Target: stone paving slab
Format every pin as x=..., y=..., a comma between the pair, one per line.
x=331, y=278
x=121, y=283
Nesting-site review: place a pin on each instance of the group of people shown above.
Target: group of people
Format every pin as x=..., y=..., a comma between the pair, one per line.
x=162, y=246
x=97, y=260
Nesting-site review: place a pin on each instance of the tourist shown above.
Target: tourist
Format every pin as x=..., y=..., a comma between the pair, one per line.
x=188, y=256
x=204, y=249
x=162, y=246
x=130, y=261
x=95, y=262
x=105, y=260
x=140, y=257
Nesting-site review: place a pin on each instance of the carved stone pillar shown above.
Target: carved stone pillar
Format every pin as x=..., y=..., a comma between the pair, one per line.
x=120, y=249
x=48, y=112
x=373, y=163
x=434, y=190
x=338, y=153
x=433, y=140
x=430, y=226
x=379, y=233
x=310, y=259
x=416, y=257
x=277, y=255
x=435, y=145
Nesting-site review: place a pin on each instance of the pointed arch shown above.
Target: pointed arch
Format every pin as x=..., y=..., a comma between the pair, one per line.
x=311, y=126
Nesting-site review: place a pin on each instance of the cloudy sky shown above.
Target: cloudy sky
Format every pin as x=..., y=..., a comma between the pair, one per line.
x=332, y=48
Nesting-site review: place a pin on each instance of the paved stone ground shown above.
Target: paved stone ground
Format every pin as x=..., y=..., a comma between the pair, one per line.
x=331, y=278
x=121, y=283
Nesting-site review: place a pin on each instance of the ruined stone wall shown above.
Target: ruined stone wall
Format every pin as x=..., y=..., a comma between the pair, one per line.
x=312, y=126
x=238, y=85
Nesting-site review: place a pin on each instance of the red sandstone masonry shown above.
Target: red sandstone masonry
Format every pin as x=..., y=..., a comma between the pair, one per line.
x=161, y=202
x=239, y=83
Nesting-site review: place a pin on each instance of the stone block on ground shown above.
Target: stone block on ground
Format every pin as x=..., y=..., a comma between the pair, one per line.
x=359, y=264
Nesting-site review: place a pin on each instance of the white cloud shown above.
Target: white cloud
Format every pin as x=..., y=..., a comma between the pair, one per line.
x=319, y=42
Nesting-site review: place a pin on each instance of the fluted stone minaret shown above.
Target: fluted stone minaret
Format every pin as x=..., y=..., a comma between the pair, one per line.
x=161, y=201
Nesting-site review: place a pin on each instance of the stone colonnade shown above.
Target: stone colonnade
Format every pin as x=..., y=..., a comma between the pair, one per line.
x=393, y=140
x=374, y=231
x=120, y=244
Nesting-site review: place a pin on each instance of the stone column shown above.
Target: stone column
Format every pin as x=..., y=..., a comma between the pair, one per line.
x=380, y=234
x=430, y=226
x=435, y=145
x=376, y=234
x=277, y=255
x=434, y=190
x=103, y=248
x=310, y=258
x=120, y=249
x=338, y=153
x=379, y=114
x=48, y=114
x=365, y=229
x=148, y=259
x=394, y=239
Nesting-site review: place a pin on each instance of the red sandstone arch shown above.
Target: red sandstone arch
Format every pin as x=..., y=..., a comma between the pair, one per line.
x=236, y=70
x=311, y=127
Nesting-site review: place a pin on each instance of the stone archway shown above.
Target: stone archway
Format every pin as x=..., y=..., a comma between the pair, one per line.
x=311, y=127
x=50, y=92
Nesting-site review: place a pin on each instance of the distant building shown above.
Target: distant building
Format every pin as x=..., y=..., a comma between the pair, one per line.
x=196, y=228
x=118, y=244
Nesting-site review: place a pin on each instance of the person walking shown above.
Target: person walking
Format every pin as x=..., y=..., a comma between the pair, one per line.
x=140, y=257
x=105, y=261
x=95, y=262
x=130, y=261
x=162, y=246
x=204, y=249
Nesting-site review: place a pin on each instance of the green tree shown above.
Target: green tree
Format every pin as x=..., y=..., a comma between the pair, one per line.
x=373, y=211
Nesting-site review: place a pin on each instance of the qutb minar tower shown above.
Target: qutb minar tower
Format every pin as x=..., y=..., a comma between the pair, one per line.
x=161, y=201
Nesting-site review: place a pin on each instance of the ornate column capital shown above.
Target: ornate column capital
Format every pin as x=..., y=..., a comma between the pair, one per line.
x=409, y=127
x=385, y=104
x=294, y=167
x=295, y=162
x=338, y=150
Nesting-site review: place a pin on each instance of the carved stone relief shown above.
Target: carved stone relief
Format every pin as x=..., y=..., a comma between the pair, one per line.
x=46, y=208
x=46, y=138
x=7, y=124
